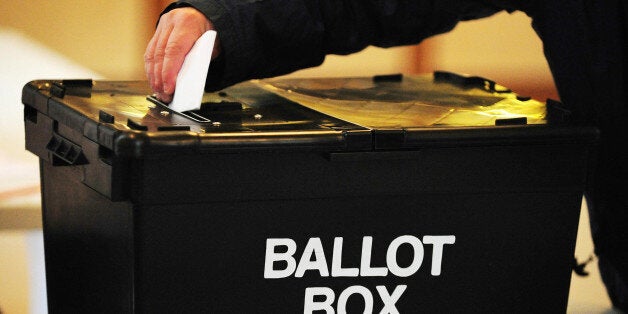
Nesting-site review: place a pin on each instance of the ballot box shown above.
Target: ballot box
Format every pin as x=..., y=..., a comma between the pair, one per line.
x=436, y=193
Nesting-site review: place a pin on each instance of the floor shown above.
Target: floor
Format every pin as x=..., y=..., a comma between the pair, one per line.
x=587, y=294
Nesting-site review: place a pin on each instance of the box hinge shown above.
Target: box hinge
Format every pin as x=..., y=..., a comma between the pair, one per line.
x=389, y=139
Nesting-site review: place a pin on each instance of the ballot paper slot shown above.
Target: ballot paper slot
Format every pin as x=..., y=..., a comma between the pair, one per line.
x=223, y=112
x=195, y=116
x=230, y=115
x=209, y=112
x=187, y=114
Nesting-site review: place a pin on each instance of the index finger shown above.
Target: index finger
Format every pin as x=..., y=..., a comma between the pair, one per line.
x=179, y=44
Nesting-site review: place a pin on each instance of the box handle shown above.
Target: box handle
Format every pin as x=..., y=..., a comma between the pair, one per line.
x=64, y=152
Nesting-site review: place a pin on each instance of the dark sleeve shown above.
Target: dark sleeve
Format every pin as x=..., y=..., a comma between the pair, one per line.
x=266, y=38
x=584, y=43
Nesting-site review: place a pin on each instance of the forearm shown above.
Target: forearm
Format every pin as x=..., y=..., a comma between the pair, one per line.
x=262, y=39
x=267, y=38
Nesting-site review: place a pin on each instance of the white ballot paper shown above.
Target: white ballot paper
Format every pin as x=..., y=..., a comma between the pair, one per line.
x=188, y=93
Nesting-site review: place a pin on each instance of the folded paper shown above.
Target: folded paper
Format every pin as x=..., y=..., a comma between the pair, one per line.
x=190, y=86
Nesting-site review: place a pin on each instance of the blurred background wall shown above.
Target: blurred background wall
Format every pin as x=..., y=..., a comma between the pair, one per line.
x=106, y=39
x=109, y=37
x=105, y=36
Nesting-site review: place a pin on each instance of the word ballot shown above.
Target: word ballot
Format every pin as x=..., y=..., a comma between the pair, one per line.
x=280, y=262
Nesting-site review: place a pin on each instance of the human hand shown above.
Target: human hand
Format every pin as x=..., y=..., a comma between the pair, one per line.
x=176, y=33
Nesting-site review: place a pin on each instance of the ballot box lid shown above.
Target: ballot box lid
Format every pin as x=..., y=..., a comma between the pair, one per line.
x=391, y=112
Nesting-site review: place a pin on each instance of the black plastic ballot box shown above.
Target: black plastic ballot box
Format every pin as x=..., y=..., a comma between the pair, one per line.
x=432, y=193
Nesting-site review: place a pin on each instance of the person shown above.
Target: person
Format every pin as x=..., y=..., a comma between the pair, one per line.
x=584, y=43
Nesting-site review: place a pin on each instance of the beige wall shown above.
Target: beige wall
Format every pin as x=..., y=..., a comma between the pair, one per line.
x=106, y=36
x=109, y=37
x=503, y=48
x=14, y=280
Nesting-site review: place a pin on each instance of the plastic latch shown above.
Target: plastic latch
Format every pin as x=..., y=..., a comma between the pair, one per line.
x=57, y=90
x=173, y=128
x=136, y=126
x=76, y=83
x=105, y=117
x=78, y=87
x=388, y=78
x=65, y=152
x=221, y=106
x=512, y=121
